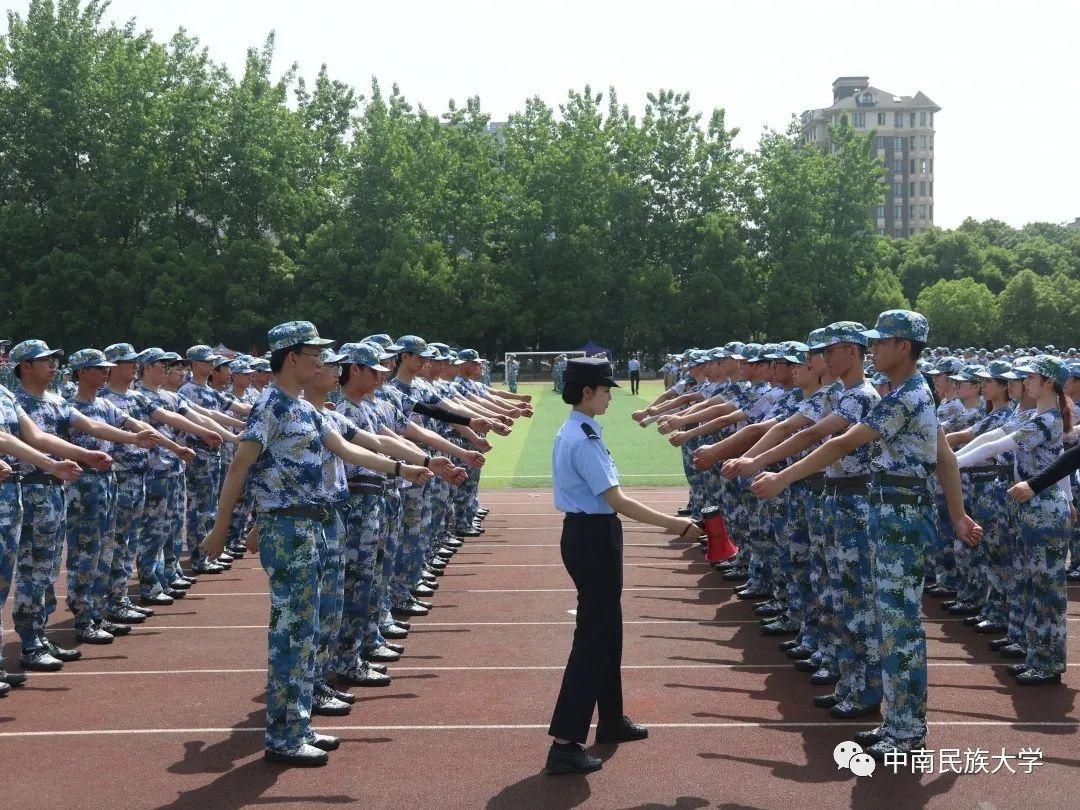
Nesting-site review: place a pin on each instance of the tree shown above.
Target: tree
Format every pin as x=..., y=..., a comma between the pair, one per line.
x=960, y=312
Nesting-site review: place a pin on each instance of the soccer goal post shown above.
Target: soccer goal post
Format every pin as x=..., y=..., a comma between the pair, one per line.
x=536, y=365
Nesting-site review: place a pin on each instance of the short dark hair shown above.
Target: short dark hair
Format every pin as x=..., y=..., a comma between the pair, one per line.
x=917, y=347
x=573, y=396
x=17, y=371
x=278, y=356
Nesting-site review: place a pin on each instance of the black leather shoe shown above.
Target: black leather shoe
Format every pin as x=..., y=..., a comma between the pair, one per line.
x=470, y=533
x=394, y=632
x=411, y=609
x=735, y=575
x=329, y=706
x=94, y=635
x=825, y=677
x=324, y=742
x=799, y=653
x=971, y=621
x=998, y=643
x=436, y=565
x=684, y=512
x=179, y=585
x=423, y=590
x=12, y=679
x=404, y=624
x=779, y=629
x=344, y=697
x=61, y=653
x=575, y=760
x=129, y=608
x=940, y=592
x=749, y=593
x=964, y=609
x=175, y=593
x=868, y=738
x=307, y=757
x=1033, y=678
x=115, y=629
x=789, y=644
x=767, y=610
x=4, y=689
x=623, y=731
x=39, y=660
x=395, y=647
x=1016, y=669
x=947, y=603
x=366, y=676
x=156, y=599
x=988, y=627
x=805, y=665
x=1013, y=651
x=826, y=701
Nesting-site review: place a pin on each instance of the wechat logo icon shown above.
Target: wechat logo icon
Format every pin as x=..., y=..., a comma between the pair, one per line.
x=850, y=755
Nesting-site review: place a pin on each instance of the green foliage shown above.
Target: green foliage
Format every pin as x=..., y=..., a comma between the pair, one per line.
x=147, y=194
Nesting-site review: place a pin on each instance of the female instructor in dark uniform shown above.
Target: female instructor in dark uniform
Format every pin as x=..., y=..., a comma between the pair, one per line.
x=586, y=486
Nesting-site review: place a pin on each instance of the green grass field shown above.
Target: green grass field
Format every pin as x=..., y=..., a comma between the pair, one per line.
x=643, y=456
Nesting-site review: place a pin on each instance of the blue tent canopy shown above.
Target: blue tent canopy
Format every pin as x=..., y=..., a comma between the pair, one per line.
x=592, y=348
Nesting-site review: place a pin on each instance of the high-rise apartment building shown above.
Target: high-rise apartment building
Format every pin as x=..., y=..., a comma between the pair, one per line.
x=903, y=139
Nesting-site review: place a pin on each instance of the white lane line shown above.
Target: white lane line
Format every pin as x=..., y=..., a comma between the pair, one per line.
x=487, y=668
x=763, y=724
x=500, y=544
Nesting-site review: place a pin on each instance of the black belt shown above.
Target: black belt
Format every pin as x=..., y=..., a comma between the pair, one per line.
x=848, y=485
x=583, y=517
x=906, y=481
x=990, y=472
x=905, y=498
x=39, y=478
x=320, y=514
x=815, y=482
x=358, y=488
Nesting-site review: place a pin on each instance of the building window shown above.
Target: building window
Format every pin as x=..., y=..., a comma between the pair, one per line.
x=881, y=119
x=931, y=165
x=911, y=118
x=931, y=188
x=898, y=189
x=880, y=140
x=898, y=144
x=922, y=118
x=912, y=170
x=922, y=188
x=911, y=189
x=881, y=212
x=897, y=213
x=931, y=212
x=931, y=143
x=922, y=142
x=898, y=166
x=898, y=120
x=922, y=166
x=911, y=212
x=931, y=120
x=911, y=142
x=860, y=120
x=922, y=212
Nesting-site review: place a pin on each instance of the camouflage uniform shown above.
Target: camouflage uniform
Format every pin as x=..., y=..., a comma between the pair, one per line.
x=91, y=503
x=512, y=367
x=11, y=508
x=289, y=474
x=44, y=524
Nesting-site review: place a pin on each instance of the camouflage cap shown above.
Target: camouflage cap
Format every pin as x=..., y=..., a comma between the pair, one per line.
x=1074, y=368
x=768, y=352
x=752, y=352
x=698, y=358
x=260, y=364
x=363, y=354
x=151, y=355
x=467, y=356
x=948, y=365
x=997, y=370
x=120, y=353
x=1051, y=367
x=240, y=366
x=792, y=351
x=845, y=332
x=412, y=344
x=172, y=357
x=89, y=358
x=900, y=323
x=32, y=350
x=969, y=373
x=200, y=353
x=330, y=358
x=815, y=341
x=735, y=350
x=295, y=333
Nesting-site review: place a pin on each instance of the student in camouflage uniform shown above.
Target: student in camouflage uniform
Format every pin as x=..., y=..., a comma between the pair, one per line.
x=14, y=423
x=903, y=441
x=512, y=368
x=282, y=448
x=1044, y=521
x=44, y=500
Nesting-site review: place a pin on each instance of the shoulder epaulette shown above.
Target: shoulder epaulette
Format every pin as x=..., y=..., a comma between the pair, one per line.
x=588, y=431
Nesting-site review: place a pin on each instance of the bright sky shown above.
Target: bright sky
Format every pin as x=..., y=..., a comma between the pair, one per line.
x=1004, y=73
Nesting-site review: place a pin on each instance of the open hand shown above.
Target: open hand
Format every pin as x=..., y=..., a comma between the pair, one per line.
x=968, y=531
x=1021, y=492
x=767, y=485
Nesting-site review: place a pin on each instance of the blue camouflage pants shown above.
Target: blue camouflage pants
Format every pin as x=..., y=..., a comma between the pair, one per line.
x=441, y=503
x=902, y=534
x=40, y=549
x=794, y=557
x=858, y=651
x=238, y=523
x=154, y=535
x=11, y=515
x=90, y=507
x=176, y=489
x=1044, y=533
x=415, y=502
x=203, y=484
x=363, y=536
x=1074, y=534
x=819, y=625
x=945, y=547
x=465, y=495
x=289, y=553
x=122, y=540
x=1016, y=565
x=331, y=592
x=988, y=509
x=393, y=512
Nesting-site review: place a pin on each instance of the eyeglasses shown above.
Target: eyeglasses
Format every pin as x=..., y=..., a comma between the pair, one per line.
x=317, y=356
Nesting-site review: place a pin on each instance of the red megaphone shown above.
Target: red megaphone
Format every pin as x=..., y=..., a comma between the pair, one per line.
x=718, y=545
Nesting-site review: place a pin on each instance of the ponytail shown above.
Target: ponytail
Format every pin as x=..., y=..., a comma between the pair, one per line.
x=1065, y=405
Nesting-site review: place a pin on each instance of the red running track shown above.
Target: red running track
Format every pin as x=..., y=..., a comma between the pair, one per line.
x=171, y=716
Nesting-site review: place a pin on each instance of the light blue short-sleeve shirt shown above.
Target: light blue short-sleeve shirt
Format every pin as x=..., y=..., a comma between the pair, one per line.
x=582, y=467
